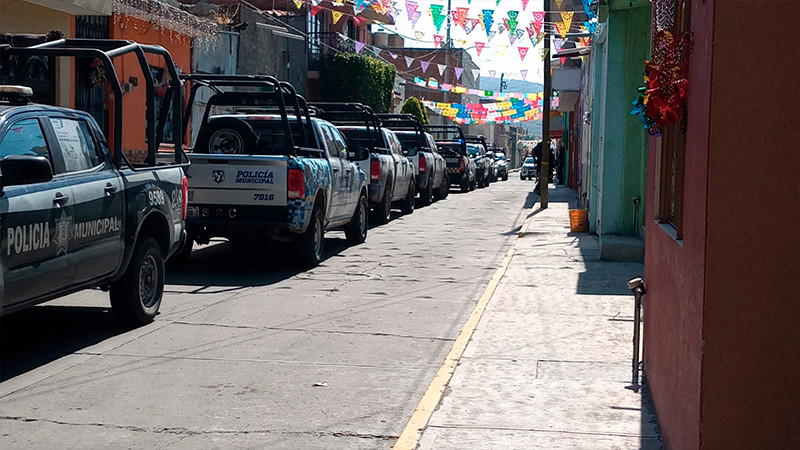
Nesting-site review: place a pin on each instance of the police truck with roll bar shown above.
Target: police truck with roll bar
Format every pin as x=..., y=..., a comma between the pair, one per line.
x=75, y=212
x=389, y=169
x=451, y=144
x=263, y=168
x=429, y=166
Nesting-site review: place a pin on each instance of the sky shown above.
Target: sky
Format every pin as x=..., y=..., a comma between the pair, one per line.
x=493, y=56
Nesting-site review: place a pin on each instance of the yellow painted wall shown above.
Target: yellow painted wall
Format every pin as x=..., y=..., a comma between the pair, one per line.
x=18, y=17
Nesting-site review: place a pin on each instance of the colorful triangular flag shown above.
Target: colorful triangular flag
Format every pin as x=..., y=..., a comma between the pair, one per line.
x=393, y=55
x=411, y=8
x=425, y=65
x=522, y=52
x=441, y=68
x=409, y=61
x=562, y=28
x=476, y=73
x=538, y=21
x=298, y=3
x=524, y=4
x=437, y=40
x=479, y=47
x=488, y=20
x=566, y=17
x=524, y=73
x=337, y=15
x=492, y=73
x=359, y=46
x=459, y=71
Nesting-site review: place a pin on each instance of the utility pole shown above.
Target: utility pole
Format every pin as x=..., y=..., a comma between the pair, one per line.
x=544, y=174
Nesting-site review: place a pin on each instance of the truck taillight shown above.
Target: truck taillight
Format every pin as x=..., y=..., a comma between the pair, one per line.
x=463, y=163
x=423, y=164
x=297, y=184
x=375, y=170
x=185, y=191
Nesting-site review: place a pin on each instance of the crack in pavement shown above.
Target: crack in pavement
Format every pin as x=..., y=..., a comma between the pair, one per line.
x=305, y=330
x=186, y=431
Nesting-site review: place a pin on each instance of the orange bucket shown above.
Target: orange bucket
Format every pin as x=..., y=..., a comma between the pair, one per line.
x=578, y=220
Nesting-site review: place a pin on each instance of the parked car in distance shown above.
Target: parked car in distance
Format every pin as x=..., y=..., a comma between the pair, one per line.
x=266, y=174
x=502, y=166
x=76, y=215
x=390, y=173
x=482, y=165
x=429, y=165
x=528, y=170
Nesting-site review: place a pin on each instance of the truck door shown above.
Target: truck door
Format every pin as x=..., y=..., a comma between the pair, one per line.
x=404, y=166
x=35, y=222
x=350, y=179
x=338, y=176
x=97, y=244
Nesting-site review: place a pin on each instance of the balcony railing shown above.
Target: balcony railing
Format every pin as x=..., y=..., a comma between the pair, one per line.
x=322, y=45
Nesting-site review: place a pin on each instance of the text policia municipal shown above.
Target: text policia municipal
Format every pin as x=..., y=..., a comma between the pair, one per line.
x=36, y=236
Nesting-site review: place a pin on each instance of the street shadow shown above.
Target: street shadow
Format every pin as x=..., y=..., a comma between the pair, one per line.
x=37, y=336
x=244, y=264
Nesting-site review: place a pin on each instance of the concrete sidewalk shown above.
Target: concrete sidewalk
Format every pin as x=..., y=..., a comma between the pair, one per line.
x=549, y=362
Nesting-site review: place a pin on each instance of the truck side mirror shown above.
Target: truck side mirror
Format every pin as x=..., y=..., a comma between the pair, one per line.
x=25, y=169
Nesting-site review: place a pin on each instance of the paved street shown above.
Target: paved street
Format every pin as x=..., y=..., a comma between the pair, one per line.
x=247, y=353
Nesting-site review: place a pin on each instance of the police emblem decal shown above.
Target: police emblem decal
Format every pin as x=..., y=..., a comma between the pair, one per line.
x=218, y=176
x=63, y=233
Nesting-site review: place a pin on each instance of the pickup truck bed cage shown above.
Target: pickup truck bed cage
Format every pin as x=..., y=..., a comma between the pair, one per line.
x=267, y=100
x=476, y=139
x=404, y=122
x=356, y=114
x=106, y=50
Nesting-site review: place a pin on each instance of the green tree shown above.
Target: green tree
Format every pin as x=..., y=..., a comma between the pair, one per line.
x=414, y=106
x=351, y=77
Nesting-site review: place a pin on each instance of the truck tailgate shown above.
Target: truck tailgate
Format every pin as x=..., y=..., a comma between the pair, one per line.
x=237, y=180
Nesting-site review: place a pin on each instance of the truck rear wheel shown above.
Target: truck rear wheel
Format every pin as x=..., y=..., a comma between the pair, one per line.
x=312, y=242
x=465, y=184
x=382, y=212
x=408, y=203
x=444, y=189
x=136, y=297
x=426, y=195
x=356, y=230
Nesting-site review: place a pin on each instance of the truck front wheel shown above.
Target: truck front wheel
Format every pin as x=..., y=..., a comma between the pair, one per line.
x=136, y=297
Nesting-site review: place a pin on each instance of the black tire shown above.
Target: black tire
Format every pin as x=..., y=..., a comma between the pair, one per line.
x=505, y=177
x=444, y=188
x=426, y=195
x=312, y=242
x=226, y=136
x=136, y=297
x=473, y=185
x=407, y=207
x=356, y=230
x=466, y=185
x=382, y=212
x=183, y=253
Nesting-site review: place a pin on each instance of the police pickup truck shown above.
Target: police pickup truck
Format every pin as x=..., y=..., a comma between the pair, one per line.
x=71, y=219
x=460, y=166
x=259, y=172
x=389, y=168
x=75, y=212
x=429, y=166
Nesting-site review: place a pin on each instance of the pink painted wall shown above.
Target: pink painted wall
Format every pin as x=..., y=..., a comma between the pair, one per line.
x=675, y=272
x=722, y=334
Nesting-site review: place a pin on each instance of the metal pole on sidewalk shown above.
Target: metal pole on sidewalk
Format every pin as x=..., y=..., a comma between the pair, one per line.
x=636, y=286
x=544, y=165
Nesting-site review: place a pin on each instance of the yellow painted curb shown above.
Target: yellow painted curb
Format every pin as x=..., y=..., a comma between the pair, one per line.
x=409, y=438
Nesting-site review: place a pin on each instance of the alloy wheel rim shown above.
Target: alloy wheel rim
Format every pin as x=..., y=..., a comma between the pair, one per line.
x=148, y=281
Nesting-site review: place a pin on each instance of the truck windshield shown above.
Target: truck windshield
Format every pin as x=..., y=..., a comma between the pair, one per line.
x=474, y=150
x=529, y=160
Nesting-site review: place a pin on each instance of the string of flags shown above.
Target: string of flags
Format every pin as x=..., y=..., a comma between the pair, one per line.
x=458, y=89
x=499, y=112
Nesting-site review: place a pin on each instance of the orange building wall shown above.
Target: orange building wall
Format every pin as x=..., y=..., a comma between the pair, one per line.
x=134, y=103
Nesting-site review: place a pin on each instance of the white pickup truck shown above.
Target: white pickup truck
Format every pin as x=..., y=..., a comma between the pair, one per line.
x=266, y=173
